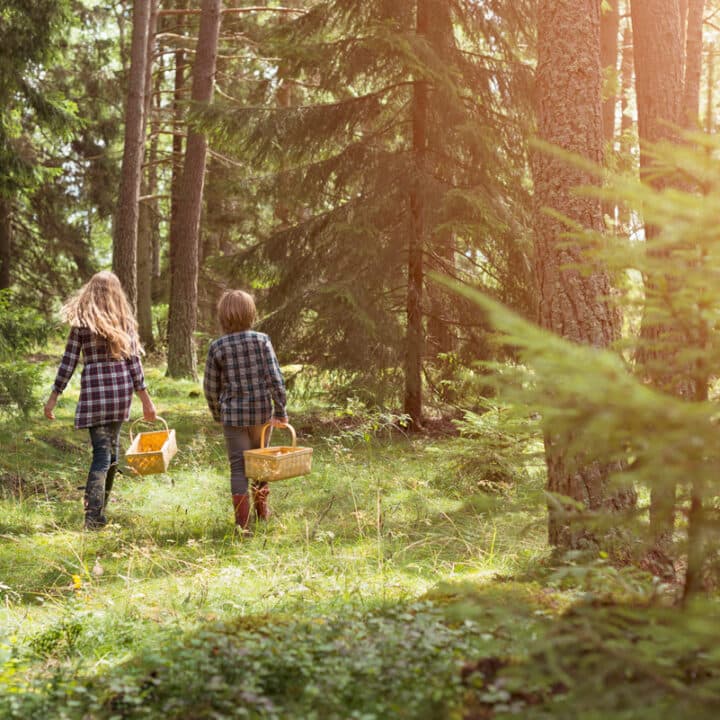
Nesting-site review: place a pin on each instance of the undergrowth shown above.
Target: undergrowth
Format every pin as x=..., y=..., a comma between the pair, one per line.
x=401, y=579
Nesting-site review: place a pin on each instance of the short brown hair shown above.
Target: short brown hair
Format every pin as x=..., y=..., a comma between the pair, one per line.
x=236, y=311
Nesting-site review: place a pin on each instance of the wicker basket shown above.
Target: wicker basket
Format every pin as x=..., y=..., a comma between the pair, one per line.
x=278, y=462
x=150, y=453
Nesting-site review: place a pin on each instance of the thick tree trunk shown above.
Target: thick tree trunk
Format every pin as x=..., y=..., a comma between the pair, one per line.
x=572, y=303
x=693, y=64
x=415, y=340
x=185, y=235
x=657, y=35
x=146, y=220
x=124, y=259
x=5, y=242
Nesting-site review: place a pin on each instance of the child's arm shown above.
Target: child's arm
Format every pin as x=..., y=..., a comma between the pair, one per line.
x=65, y=371
x=135, y=369
x=276, y=382
x=212, y=385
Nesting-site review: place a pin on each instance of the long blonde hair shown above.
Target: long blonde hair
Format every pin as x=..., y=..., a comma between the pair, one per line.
x=102, y=307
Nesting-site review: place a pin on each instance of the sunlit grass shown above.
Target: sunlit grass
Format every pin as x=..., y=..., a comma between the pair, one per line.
x=378, y=522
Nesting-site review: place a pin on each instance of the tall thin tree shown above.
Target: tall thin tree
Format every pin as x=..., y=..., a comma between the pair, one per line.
x=658, y=54
x=124, y=258
x=573, y=303
x=609, y=37
x=5, y=242
x=146, y=219
x=693, y=64
x=185, y=235
x=415, y=343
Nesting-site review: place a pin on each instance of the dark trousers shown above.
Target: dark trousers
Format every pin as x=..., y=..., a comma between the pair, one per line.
x=105, y=444
x=237, y=441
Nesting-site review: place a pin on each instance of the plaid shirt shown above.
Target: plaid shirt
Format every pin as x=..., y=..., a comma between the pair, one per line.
x=243, y=380
x=106, y=384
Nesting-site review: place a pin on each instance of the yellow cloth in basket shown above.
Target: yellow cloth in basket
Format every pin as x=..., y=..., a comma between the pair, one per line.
x=278, y=462
x=150, y=453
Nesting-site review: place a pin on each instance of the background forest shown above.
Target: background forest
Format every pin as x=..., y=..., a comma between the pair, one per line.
x=483, y=237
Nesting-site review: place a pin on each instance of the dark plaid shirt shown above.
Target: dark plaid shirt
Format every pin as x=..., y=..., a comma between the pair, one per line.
x=243, y=380
x=106, y=384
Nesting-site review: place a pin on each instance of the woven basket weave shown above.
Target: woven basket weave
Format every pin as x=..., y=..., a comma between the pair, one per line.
x=150, y=453
x=278, y=462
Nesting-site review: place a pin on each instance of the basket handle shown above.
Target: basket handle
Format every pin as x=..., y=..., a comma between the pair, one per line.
x=162, y=420
x=287, y=425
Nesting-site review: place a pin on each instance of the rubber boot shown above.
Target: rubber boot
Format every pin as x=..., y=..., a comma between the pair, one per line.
x=93, y=501
x=241, y=504
x=109, y=480
x=261, y=491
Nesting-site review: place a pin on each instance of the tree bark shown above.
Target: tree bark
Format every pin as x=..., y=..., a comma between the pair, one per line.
x=5, y=242
x=693, y=64
x=657, y=35
x=124, y=258
x=182, y=318
x=415, y=340
x=572, y=303
x=178, y=126
x=146, y=220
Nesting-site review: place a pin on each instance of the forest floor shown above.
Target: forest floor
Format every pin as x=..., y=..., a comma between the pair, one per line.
x=386, y=585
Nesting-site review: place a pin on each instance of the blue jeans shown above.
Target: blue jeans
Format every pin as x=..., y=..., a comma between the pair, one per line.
x=105, y=444
x=237, y=440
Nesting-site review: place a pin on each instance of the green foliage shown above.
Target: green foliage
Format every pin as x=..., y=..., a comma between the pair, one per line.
x=330, y=135
x=495, y=449
x=21, y=330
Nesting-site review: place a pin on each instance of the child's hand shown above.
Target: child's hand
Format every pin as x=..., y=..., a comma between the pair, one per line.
x=149, y=412
x=279, y=422
x=50, y=406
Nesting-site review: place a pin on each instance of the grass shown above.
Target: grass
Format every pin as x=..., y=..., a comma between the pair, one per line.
x=378, y=583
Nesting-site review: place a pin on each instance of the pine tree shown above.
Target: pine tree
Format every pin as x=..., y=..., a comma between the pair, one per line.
x=29, y=34
x=185, y=235
x=402, y=141
x=126, y=220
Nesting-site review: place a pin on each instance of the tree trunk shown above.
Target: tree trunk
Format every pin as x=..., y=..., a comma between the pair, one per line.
x=440, y=335
x=178, y=127
x=683, y=30
x=693, y=64
x=609, y=32
x=182, y=318
x=5, y=242
x=572, y=303
x=415, y=340
x=146, y=221
x=709, y=112
x=124, y=258
x=626, y=120
x=657, y=36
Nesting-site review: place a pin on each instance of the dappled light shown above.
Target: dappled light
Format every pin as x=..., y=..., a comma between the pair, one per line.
x=358, y=359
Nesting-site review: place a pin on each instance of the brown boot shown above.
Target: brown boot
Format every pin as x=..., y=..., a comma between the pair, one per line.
x=260, y=500
x=241, y=503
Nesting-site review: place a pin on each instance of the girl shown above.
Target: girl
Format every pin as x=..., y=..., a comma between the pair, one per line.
x=104, y=331
x=244, y=388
